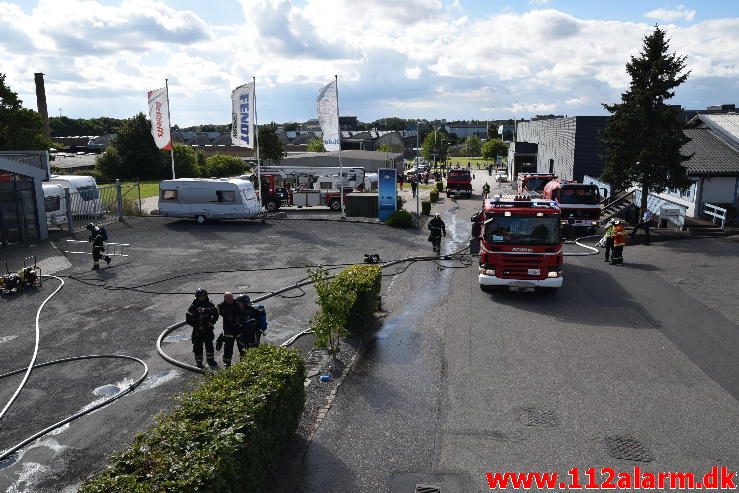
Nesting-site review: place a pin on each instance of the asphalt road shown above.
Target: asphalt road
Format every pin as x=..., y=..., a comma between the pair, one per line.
x=460, y=382
x=85, y=319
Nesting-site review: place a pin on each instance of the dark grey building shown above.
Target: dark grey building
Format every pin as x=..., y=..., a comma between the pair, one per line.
x=22, y=211
x=568, y=147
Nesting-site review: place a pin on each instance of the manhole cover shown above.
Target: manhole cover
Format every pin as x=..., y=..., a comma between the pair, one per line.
x=626, y=448
x=427, y=488
x=535, y=416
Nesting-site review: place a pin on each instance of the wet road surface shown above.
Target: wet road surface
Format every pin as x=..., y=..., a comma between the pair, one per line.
x=460, y=382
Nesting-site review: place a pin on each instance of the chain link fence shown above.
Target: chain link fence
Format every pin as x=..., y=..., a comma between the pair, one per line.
x=100, y=205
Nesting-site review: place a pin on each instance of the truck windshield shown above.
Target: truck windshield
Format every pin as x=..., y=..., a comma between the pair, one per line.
x=522, y=230
x=537, y=184
x=579, y=195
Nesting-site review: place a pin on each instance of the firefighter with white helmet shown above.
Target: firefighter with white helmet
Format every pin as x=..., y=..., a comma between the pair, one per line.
x=437, y=228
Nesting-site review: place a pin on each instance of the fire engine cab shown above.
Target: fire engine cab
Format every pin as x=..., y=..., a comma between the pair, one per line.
x=580, y=204
x=519, y=242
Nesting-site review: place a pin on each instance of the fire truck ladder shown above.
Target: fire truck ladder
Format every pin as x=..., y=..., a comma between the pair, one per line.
x=111, y=249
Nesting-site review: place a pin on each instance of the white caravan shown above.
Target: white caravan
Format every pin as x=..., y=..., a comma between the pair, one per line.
x=85, y=196
x=55, y=204
x=208, y=198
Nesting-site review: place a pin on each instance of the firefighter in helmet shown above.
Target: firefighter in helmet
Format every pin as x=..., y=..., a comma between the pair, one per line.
x=202, y=316
x=249, y=334
x=98, y=237
x=485, y=190
x=230, y=314
x=619, y=241
x=437, y=228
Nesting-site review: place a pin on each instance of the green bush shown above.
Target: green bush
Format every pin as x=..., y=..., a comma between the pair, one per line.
x=434, y=196
x=225, y=436
x=400, y=219
x=185, y=161
x=220, y=165
x=426, y=207
x=109, y=163
x=440, y=185
x=365, y=281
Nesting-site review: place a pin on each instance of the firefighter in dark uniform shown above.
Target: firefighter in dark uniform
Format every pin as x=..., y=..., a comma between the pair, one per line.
x=97, y=238
x=202, y=316
x=249, y=333
x=437, y=227
x=230, y=314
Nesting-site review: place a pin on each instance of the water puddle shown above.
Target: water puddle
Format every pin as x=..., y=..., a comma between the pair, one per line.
x=158, y=379
x=177, y=338
x=7, y=338
x=9, y=461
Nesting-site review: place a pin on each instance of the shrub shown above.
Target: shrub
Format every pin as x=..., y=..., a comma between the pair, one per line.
x=185, y=161
x=365, y=281
x=220, y=165
x=335, y=301
x=400, y=202
x=225, y=436
x=400, y=219
x=109, y=163
x=426, y=207
x=440, y=185
x=434, y=196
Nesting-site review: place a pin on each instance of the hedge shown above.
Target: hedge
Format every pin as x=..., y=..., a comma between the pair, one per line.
x=227, y=435
x=400, y=219
x=366, y=282
x=434, y=196
x=426, y=207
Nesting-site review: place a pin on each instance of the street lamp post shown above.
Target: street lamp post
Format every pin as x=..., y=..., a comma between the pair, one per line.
x=418, y=182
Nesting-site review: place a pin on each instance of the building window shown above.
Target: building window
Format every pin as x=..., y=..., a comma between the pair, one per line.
x=169, y=195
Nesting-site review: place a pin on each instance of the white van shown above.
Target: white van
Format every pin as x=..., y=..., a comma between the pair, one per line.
x=208, y=198
x=84, y=190
x=56, y=204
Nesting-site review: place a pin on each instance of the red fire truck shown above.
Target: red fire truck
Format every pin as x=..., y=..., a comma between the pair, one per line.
x=580, y=204
x=519, y=243
x=534, y=183
x=459, y=182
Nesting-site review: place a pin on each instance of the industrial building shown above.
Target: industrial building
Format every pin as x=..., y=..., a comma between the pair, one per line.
x=568, y=147
x=371, y=161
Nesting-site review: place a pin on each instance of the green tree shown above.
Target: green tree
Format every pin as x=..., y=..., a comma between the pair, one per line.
x=316, y=145
x=472, y=146
x=291, y=126
x=109, y=163
x=270, y=146
x=185, y=162
x=436, y=144
x=494, y=147
x=139, y=156
x=20, y=128
x=385, y=148
x=643, y=136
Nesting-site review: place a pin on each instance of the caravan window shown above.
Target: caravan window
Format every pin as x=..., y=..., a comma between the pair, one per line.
x=89, y=193
x=52, y=204
x=225, y=195
x=169, y=195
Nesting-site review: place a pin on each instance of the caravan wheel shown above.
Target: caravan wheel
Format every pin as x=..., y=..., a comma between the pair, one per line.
x=200, y=219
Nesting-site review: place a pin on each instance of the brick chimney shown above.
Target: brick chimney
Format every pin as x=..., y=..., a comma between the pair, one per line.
x=41, y=103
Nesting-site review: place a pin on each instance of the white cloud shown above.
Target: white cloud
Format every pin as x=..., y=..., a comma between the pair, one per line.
x=670, y=15
x=421, y=58
x=539, y=2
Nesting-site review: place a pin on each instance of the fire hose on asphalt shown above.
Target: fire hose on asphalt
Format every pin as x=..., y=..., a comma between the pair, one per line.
x=33, y=365
x=459, y=255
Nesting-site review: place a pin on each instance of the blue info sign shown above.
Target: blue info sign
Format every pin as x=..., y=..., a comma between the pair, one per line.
x=387, y=193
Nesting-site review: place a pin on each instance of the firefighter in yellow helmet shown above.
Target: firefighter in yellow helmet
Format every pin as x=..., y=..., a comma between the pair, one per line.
x=619, y=241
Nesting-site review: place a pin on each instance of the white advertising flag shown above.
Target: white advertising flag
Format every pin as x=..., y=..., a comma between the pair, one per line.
x=242, y=116
x=159, y=114
x=328, y=116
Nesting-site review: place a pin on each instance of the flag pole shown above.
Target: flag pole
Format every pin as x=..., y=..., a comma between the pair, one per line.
x=341, y=167
x=256, y=139
x=169, y=119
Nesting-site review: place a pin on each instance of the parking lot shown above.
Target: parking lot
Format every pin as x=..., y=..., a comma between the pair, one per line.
x=85, y=318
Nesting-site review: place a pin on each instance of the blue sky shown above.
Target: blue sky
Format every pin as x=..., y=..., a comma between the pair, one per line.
x=413, y=58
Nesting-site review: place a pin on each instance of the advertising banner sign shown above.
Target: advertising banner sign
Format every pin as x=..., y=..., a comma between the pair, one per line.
x=386, y=192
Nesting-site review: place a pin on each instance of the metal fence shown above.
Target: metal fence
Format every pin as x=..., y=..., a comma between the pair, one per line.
x=101, y=205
